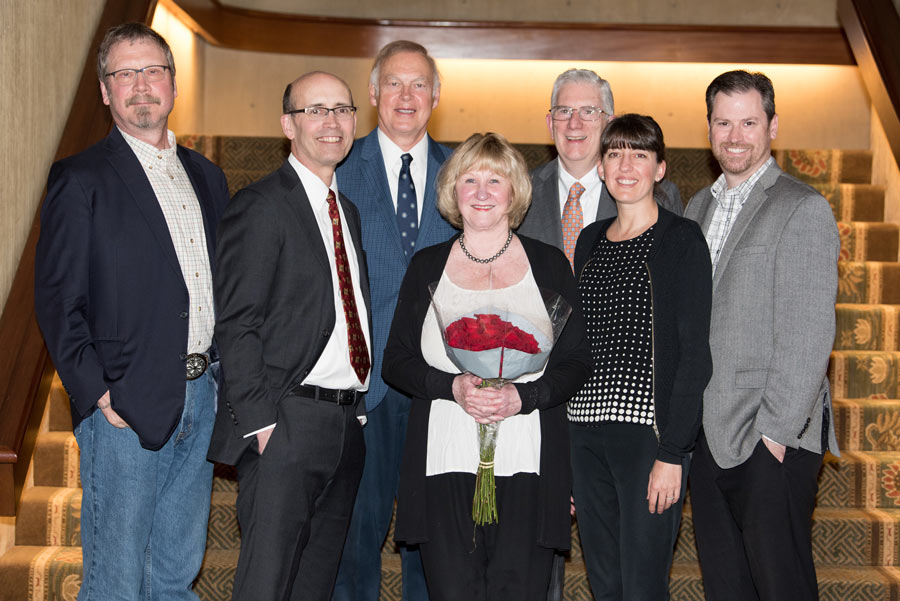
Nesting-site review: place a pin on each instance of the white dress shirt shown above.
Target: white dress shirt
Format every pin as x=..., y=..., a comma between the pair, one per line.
x=418, y=168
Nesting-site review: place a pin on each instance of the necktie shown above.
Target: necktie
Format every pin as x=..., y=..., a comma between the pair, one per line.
x=407, y=211
x=572, y=221
x=359, y=352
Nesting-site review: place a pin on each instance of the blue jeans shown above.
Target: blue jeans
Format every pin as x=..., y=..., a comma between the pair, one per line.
x=359, y=575
x=144, y=513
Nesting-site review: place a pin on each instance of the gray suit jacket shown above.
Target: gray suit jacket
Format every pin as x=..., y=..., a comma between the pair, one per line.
x=544, y=221
x=772, y=325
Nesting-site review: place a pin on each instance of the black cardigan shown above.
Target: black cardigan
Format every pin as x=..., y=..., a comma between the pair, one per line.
x=568, y=368
x=681, y=293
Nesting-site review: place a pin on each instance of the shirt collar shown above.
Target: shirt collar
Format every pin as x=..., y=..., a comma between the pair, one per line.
x=148, y=153
x=567, y=179
x=315, y=188
x=720, y=188
x=392, y=153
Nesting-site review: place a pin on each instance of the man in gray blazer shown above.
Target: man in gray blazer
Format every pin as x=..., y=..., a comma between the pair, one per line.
x=767, y=416
x=581, y=106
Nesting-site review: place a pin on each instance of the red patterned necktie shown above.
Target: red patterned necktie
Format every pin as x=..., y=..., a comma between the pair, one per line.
x=572, y=221
x=359, y=352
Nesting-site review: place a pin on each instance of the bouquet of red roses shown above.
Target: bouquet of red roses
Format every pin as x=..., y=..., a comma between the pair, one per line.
x=498, y=345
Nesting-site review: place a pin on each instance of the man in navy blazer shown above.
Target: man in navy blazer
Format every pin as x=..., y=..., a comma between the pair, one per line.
x=123, y=295
x=386, y=170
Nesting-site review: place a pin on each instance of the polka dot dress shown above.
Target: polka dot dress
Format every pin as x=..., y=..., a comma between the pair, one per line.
x=615, y=295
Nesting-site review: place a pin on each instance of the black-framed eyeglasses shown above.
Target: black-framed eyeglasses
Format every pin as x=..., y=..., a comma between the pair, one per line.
x=586, y=113
x=320, y=113
x=151, y=73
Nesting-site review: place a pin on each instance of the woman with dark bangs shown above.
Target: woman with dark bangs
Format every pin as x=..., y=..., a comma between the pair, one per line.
x=645, y=282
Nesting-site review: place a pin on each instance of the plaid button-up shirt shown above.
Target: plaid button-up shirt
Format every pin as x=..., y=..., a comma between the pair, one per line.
x=184, y=218
x=729, y=203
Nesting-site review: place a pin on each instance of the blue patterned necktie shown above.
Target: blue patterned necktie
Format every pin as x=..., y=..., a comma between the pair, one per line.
x=407, y=211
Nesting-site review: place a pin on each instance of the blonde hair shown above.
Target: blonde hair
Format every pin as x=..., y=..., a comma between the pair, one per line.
x=491, y=152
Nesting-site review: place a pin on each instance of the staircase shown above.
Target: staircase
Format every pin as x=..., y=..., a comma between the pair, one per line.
x=856, y=539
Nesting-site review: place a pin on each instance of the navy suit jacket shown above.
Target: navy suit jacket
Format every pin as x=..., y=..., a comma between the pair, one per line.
x=110, y=296
x=362, y=178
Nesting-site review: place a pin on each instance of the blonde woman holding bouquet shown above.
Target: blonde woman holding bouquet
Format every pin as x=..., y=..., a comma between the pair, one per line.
x=645, y=282
x=484, y=190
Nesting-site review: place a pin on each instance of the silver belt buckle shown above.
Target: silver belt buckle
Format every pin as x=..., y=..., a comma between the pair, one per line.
x=195, y=365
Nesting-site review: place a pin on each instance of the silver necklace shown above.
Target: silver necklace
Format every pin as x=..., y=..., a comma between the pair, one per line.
x=462, y=246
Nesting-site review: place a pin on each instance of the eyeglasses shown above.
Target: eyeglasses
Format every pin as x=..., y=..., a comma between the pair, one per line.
x=125, y=77
x=320, y=113
x=586, y=113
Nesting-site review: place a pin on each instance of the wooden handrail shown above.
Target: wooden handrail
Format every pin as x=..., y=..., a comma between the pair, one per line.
x=244, y=29
x=872, y=28
x=25, y=367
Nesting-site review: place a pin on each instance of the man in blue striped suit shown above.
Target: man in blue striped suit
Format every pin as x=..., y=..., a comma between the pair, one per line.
x=389, y=175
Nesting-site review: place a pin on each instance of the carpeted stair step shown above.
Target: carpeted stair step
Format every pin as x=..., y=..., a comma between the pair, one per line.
x=56, y=460
x=51, y=516
x=867, y=424
x=855, y=202
x=865, y=241
x=860, y=480
x=59, y=414
x=827, y=167
x=870, y=282
x=840, y=537
x=864, y=374
x=862, y=327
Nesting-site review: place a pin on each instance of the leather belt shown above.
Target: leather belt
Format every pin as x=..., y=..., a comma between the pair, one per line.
x=195, y=365
x=339, y=397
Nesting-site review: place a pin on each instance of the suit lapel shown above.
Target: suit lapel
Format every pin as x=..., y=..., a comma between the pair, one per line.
x=429, y=208
x=752, y=205
x=548, y=188
x=297, y=199
x=377, y=183
x=606, y=208
x=123, y=160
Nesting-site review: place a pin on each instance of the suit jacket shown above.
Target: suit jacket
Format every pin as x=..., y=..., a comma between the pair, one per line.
x=362, y=178
x=772, y=324
x=110, y=296
x=544, y=221
x=274, y=303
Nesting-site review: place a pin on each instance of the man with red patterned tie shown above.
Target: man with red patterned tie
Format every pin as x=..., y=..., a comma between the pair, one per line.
x=292, y=298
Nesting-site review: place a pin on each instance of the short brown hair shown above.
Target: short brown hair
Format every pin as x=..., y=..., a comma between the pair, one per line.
x=130, y=32
x=494, y=153
x=742, y=81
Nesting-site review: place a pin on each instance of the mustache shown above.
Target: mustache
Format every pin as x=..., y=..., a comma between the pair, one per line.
x=141, y=98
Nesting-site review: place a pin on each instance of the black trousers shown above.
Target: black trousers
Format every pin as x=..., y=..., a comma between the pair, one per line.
x=752, y=524
x=294, y=502
x=627, y=549
x=497, y=562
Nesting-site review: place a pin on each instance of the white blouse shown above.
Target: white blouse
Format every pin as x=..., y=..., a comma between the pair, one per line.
x=453, y=433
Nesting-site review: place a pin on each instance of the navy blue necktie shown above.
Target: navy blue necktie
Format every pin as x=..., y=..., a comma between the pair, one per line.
x=407, y=211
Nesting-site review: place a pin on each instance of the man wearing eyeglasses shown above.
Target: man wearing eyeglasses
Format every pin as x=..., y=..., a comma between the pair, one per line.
x=390, y=175
x=581, y=106
x=293, y=332
x=123, y=295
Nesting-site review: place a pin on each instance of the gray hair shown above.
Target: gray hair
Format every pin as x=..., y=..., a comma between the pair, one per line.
x=589, y=77
x=396, y=47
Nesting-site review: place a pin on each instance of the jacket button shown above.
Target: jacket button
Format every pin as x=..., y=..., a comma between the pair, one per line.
x=183, y=315
x=182, y=356
x=326, y=333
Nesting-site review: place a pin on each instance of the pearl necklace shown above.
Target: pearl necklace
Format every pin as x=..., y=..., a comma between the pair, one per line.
x=462, y=246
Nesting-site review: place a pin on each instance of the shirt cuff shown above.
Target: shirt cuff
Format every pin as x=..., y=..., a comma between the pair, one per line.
x=255, y=432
